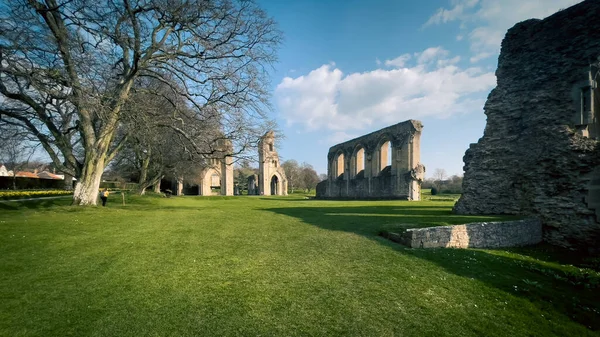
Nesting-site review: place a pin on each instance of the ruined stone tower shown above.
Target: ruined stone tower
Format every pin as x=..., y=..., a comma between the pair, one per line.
x=271, y=176
x=218, y=171
x=540, y=154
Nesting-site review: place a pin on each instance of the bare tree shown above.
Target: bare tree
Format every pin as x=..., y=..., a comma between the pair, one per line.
x=15, y=150
x=292, y=173
x=308, y=177
x=439, y=175
x=242, y=172
x=154, y=145
x=67, y=69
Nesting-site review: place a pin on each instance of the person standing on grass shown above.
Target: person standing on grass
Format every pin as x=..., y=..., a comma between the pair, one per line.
x=104, y=196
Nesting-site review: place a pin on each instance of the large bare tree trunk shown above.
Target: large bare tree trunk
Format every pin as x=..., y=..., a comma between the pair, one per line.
x=180, y=186
x=142, y=183
x=68, y=182
x=88, y=184
x=155, y=181
x=157, y=185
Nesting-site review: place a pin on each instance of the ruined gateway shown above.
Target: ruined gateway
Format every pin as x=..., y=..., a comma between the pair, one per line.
x=271, y=179
x=271, y=176
x=382, y=164
x=539, y=154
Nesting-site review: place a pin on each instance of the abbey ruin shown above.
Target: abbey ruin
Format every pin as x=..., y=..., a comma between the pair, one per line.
x=540, y=154
x=218, y=173
x=271, y=176
x=381, y=164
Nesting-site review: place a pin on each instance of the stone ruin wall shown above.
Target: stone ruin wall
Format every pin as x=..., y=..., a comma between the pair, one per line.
x=271, y=175
x=218, y=172
x=220, y=165
x=221, y=168
x=539, y=154
x=357, y=169
x=473, y=235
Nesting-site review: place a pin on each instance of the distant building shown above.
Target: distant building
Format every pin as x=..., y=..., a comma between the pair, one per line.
x=25, y=174
x=4, y=172
x=48, y=175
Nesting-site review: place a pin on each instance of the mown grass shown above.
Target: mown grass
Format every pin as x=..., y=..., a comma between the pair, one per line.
x=426, y=196
x=249, y=266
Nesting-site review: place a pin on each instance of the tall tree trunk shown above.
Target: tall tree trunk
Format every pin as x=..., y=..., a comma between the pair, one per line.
x=142, y=183
x=180, y=186
x=157, y=185
x=68, y=185
x=88, y=183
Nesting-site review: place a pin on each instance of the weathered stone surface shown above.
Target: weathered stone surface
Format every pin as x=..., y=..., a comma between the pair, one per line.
x=539, y=154
x=473, y=235
x=271, y=176
x=359, y=168
x=218, y=172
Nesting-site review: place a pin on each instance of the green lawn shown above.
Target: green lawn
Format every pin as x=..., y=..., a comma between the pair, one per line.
x=249, y=266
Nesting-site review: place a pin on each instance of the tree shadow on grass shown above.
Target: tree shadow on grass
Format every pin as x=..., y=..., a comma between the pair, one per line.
x=33, y=204
x=524, y=271
x=371, y=220
x=288, y=198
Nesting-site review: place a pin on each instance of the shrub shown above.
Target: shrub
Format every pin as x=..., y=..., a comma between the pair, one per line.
x=11, y=195
x=434, y=191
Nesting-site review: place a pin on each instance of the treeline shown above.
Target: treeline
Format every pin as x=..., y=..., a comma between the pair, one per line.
x=300, y=177
x=450, y=185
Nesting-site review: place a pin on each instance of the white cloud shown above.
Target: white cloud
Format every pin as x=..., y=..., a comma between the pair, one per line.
x=433, y=86
x=443, y=15
x=445, y=62
x=479, y=57
x=431, y=54
x=485, y=22
x=399, y=61
x=428, y=56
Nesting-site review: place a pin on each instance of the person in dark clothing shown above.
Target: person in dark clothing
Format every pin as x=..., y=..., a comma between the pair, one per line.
x=104, y=196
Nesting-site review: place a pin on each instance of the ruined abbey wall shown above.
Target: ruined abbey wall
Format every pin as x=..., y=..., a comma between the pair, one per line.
x=382, y=164
x=218, y=171
x=539, y=154
x=271, y=176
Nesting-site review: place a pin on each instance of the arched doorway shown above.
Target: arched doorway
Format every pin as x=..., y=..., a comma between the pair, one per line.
x=274, y=185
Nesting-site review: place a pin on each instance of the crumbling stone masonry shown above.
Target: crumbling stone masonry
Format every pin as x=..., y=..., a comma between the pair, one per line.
x=473, y=235
x=271, y=176
x=218, y=172
x=539, y=154
x=382, y=164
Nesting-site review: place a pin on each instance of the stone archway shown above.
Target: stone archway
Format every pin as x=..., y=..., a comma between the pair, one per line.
x=211, y=179
x=274, y=185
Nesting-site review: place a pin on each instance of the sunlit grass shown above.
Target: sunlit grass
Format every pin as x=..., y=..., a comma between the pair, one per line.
x=248, y=266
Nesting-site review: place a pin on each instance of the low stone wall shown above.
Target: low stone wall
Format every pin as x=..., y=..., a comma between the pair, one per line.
x=473, y=235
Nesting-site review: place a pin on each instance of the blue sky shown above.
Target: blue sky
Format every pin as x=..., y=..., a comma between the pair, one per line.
x=350, y=67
